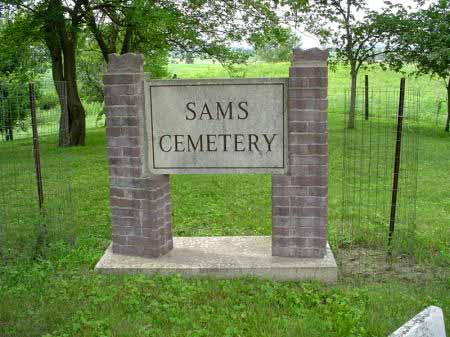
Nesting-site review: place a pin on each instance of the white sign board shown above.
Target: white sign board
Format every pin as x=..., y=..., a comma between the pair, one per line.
x=216, y=126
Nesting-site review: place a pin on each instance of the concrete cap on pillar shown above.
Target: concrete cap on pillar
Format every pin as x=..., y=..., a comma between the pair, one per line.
x=126, y=63
x=313, y=56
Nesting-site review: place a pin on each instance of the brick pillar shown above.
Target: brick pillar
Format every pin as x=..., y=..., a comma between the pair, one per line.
x=299, y=198
x=140, y=202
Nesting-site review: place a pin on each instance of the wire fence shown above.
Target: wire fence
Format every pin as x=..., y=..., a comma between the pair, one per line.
x=377, y=236
x=35, y=175
x=361, y=176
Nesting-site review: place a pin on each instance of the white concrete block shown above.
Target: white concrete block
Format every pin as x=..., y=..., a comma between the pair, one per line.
x=428, y=323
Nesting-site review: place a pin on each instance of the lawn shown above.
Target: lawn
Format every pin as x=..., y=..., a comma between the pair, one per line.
x=61, y=295
x=432, y=90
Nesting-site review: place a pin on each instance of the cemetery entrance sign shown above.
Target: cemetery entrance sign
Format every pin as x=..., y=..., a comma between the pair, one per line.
x=156, y=128
x=217, y=126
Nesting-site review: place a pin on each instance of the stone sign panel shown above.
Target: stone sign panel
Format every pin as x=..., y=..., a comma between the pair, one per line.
x=216, y=126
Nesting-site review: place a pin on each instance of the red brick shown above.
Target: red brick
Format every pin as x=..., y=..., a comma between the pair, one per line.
x=300, y=71
x=313, y=54
x=308, y=159
x=307, y=116
x=307, y=211
x=298, y=126
x=308, y=138
x=308, y=201
x=281, y=180
x=141, y=225
x=280, y=211
x=126, y=203
x=305, y=82
x=121, y=89
x=131, y=152
x=319, y=126
x=307, y=93
x=289, y=191
x=114, y=79
x=124, y=212
x=280, y=201
x=308, y=149
x=125, y=230
x=309, y=181
x=308, y=104
x=317, y=191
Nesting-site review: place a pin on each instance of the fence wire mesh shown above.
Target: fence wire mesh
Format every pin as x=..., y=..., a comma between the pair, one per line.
x=28, y=227
x=361, y=239
x=361, y=172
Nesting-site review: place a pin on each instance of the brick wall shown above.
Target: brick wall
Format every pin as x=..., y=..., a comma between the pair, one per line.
x=299, y=198
x=140, y=203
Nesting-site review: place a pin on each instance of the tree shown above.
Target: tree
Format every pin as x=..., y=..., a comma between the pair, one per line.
x=20, y=61
x=90, y=69
x=421, y=38
x=277, y=48
x=191, y=27
x=149, y=27
x=59, y=24
x=350, y=28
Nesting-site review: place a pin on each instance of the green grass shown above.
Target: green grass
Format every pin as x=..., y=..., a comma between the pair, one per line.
x=338, y=77
x=50, y=302
x=63, y=296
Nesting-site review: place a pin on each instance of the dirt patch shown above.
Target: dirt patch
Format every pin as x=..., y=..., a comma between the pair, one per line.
x=372, y=264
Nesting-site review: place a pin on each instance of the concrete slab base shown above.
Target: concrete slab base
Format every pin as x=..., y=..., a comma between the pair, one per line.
x=224, y=257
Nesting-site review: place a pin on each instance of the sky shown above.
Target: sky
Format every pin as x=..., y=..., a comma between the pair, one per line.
x=310, y=41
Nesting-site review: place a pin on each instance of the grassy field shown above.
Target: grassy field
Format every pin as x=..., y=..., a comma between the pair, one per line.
x=63, y=296
x=338, y=77
x=382, y=83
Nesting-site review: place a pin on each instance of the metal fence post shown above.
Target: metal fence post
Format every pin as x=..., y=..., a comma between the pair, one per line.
x=366, y=97
x=37, y=157
x=398, y=147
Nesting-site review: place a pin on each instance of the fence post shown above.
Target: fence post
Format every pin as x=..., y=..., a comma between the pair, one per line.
x=398, y=147
x=36, y=152
x=41, y=230
x=366, y=97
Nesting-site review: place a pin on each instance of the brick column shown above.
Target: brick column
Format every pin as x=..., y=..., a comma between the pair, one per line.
x=140, y=202
x=299, y=198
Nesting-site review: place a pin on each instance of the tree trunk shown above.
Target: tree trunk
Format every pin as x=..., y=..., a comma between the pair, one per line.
x=76, y=113
x=54, y=47
x=189, y=59
x=64, y=139
x=61, y=90
x=61, y=41
x=104, y=48
x=126, y=41
x=351, y=114
x=9, y=132
x=9, y=122
x=447, y=124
